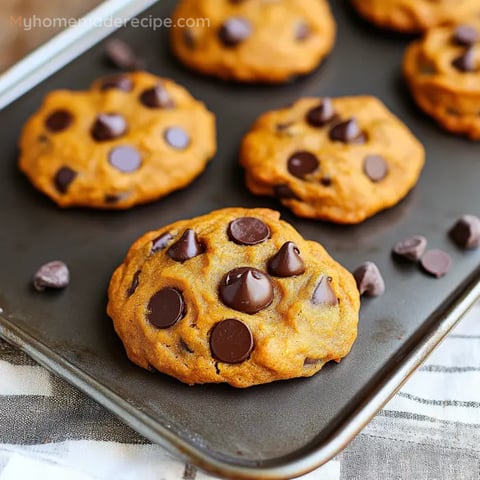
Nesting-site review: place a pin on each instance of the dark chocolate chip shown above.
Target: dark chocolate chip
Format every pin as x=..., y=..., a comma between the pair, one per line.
x=122, y=56
x=465, y=35
x=283, y=191
x=466, y=61
x=161, y=242
x=134, y=284
x=286, y=262
x=326, y=181
x=466, y=232
x=109, y=126
x=186, y=247
x=323, y=293
x=116, y=82
x=63, y=178
x=125, y=158
x=302, y=31
x=246, y=289
x=347, y=132
x=157, y=97
x=248, y=231
x=369, y=280
x=51, y=275
x=231, y=341
x=166, y=308
x=234, y=31
x=301, y=164
x=58, y=121
x=411, y=248
x=177, y=138
x=436, y=263
x=375, y=167
x=322, y=114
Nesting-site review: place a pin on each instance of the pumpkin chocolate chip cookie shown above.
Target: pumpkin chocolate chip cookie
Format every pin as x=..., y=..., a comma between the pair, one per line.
x=234, y=296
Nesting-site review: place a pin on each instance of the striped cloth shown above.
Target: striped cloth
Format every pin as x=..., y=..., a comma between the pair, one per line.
x=428, y=431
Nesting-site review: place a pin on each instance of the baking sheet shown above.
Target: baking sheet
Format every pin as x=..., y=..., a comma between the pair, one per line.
x=271, y=431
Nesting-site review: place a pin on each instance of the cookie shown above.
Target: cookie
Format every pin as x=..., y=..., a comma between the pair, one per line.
x=411, y=16
x=253, y=40
x=132, y=138
x=234, y=296
x=441, y=70
x=341, y=159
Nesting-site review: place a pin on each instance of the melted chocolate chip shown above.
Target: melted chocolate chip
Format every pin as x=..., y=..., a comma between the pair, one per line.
x=248, y=231
x=125, y=158
x=161, y=242
x=301, y=164
x=122, y=56
x=166, y=308
x=302, y=31
x=246, y=289
x=134, y=284
x=231, y=341
x=63, y=178
x=286, y=262
x=51, y=275
x=411, y=248
x=187, y=247
x=466, y=61
x=157, y=97
x=322, y=114
x=108, y=126
x=117, y=82
x=234, y=31
x=347, y=132
x=436, y=263
x=323, y=293
x=466, y=232
x=283, y=191
x=177, y=138
x=465, y=35
x=58, y=121
x=369, y=280
x=375, y=167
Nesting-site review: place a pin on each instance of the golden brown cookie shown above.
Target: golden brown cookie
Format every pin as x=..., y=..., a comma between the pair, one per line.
x=253, y=40
x=412, y=16
x=442, y=70
x=235, y=296
x=341, y=160
x=130, y=139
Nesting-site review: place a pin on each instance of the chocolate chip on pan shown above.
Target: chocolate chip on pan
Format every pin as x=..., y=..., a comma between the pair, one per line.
x=369, y=280
x=51, y=275
x=122, y=56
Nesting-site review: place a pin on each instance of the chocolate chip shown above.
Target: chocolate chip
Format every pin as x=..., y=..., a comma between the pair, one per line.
x=177, y=138
x=326, y=181
x=466, y=61
x=286, y=262
x=117, y=82
x=465, y=35
x=117, y=197
x=248, y=231
x=108, y=126
x=134, y=284
x=51, y=275
x=347, y=132
x=157, y=97
x=125, y=158
x=436, y=263
x=302, y=31
x=323, y=293
x=189, y=38
x=187, y=247
x=375, y=167
x=161, y=242
x=411, y=248
x=231, y=341
x=122, y=56
x=300, y=164
x=322, y=114
x=369, y=280
x=466, y=232
x=63, y=178
x=234, y=31
x=166, y=308
x=283, y=191
x=246, y=289
x=59, y=120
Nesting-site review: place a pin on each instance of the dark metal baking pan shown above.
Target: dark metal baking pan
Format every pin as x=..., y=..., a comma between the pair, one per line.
x=282, y=429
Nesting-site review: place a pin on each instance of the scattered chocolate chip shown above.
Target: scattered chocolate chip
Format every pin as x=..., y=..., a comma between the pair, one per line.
x=411, y=248
x=369, y=280
x=161, y=242
x=286, y=262
x=465, y=35
x=166, y=308
x=157, y=97
x=323, y=293
x=436, y=263
x=108, y=126
x=322, y=114
x=246, y=289
x=326, y=181
x=301, y=164
x=51, y=275
x=466, y=232
x=375, y=167
x=302, y=31
x=283, y=191
x=63, y=178
x=117, y=82
x=124, y=158
x=59, y=120
x=122, y=56
x=134, y=285
x=248, y=231
x=187, y=247
x=177, y=138
x=231, y=341
x=234, y=31
x=466, y=61
x=347, y=132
